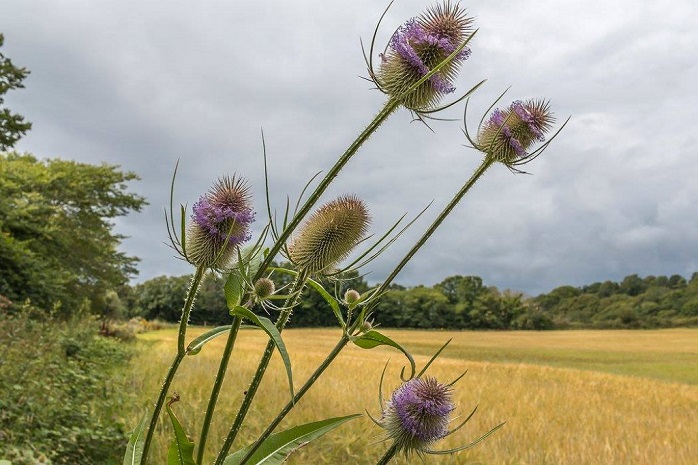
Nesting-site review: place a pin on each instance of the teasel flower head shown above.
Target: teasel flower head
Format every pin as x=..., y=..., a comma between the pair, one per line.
x=220, y=222
x=330, y=234
x=264, y=288
x=417, y=47
x=508, y=134
x=351, y=296
x=417, y=414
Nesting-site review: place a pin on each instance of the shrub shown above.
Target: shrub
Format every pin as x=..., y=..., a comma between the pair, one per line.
x=59, y=402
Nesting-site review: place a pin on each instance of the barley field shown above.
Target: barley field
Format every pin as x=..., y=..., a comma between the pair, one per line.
x=567, y=397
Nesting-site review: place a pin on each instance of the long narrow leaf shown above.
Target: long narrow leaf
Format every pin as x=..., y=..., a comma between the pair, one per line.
x=331, y=301
x=134, y=449
x=181, y=451
x=277, y=447
x=373, y=338
x=274, y=334
x=195, y=346
x=233, y=289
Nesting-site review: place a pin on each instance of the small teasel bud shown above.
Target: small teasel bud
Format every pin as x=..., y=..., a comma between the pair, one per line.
x=220, y=222
x=263, y=288
x=351, y=296
x=330, y=234
x=366, y=326
x=417, y=414
x=508, y=134
x=420, y=45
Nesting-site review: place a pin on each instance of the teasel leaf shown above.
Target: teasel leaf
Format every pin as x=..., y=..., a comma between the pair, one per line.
x=273, y=333
x=279, y=446
x=181, y=451
x=373, y=338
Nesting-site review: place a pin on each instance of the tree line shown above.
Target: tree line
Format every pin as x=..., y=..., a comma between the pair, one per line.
x=458, y=302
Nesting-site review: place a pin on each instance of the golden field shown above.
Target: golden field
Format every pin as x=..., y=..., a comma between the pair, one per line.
x=568, y=397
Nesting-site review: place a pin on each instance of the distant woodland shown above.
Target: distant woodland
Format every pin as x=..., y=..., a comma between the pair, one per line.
x=458, y=302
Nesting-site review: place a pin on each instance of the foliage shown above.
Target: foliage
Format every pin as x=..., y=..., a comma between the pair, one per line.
x=57, y=247
x=458, y=302
x=635, y=302
x=12, y=125
x=58, y=398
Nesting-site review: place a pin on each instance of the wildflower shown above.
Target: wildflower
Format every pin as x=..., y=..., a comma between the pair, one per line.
x=417, y=414
x=220, y=223
x=508, y=134
x=417, y=47
x=330, y=234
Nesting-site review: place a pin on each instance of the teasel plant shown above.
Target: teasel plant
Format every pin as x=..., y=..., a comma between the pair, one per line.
x=418, y=415
x=417, y=70
x=532, y=121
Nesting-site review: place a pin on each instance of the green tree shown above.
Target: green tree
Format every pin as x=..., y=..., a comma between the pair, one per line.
x=160, y=297
x=57, y=246
x=12, y=125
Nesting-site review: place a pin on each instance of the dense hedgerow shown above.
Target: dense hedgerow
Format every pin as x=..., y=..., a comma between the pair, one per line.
x=59, y=399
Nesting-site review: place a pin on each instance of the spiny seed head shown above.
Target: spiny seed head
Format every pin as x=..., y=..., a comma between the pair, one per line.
x=351, y=296
x=330, y=234
x=220, y=222
x=263, y=288
x=417, y=414
x=508, y=134
x=420, y=45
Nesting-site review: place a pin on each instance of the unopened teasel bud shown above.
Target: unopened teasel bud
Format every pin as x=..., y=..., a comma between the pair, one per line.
x=330, y=234
x=263, y=288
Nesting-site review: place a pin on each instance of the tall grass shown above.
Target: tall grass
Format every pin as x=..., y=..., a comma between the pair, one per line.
x=577, y=397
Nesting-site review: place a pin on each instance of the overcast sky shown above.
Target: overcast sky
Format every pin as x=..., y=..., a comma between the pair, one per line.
x=142, y=84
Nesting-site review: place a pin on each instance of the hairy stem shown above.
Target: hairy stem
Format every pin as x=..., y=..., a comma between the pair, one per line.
x=486, y=163
x=390, y=106
x=181, y=353
x=218, y=383
x=289, y=406
x=293, y=298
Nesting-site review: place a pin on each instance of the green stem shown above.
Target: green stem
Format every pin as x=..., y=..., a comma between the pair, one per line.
x=486, y=163
x=181, y=353
x=389, y=454
x=292, y=300
x=390, y=106
x=289, y=406
x=218, y=383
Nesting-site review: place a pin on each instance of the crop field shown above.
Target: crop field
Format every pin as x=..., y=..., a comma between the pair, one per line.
x=567, y=397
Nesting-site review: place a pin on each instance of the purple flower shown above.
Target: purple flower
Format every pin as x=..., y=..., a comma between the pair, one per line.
x=417, y=414
x=508, y=134
x=420, y=45
x=220, y=222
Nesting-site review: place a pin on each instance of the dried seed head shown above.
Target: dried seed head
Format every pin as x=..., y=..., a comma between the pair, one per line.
x=420, y=45
x=220, y=222
x=417, y=414
x=509, y=133
x=263, y=288
x=330, y=234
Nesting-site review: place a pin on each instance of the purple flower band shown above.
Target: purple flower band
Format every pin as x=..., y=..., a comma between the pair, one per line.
x=413, y=33
x=497, y=120
x=216, y=220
